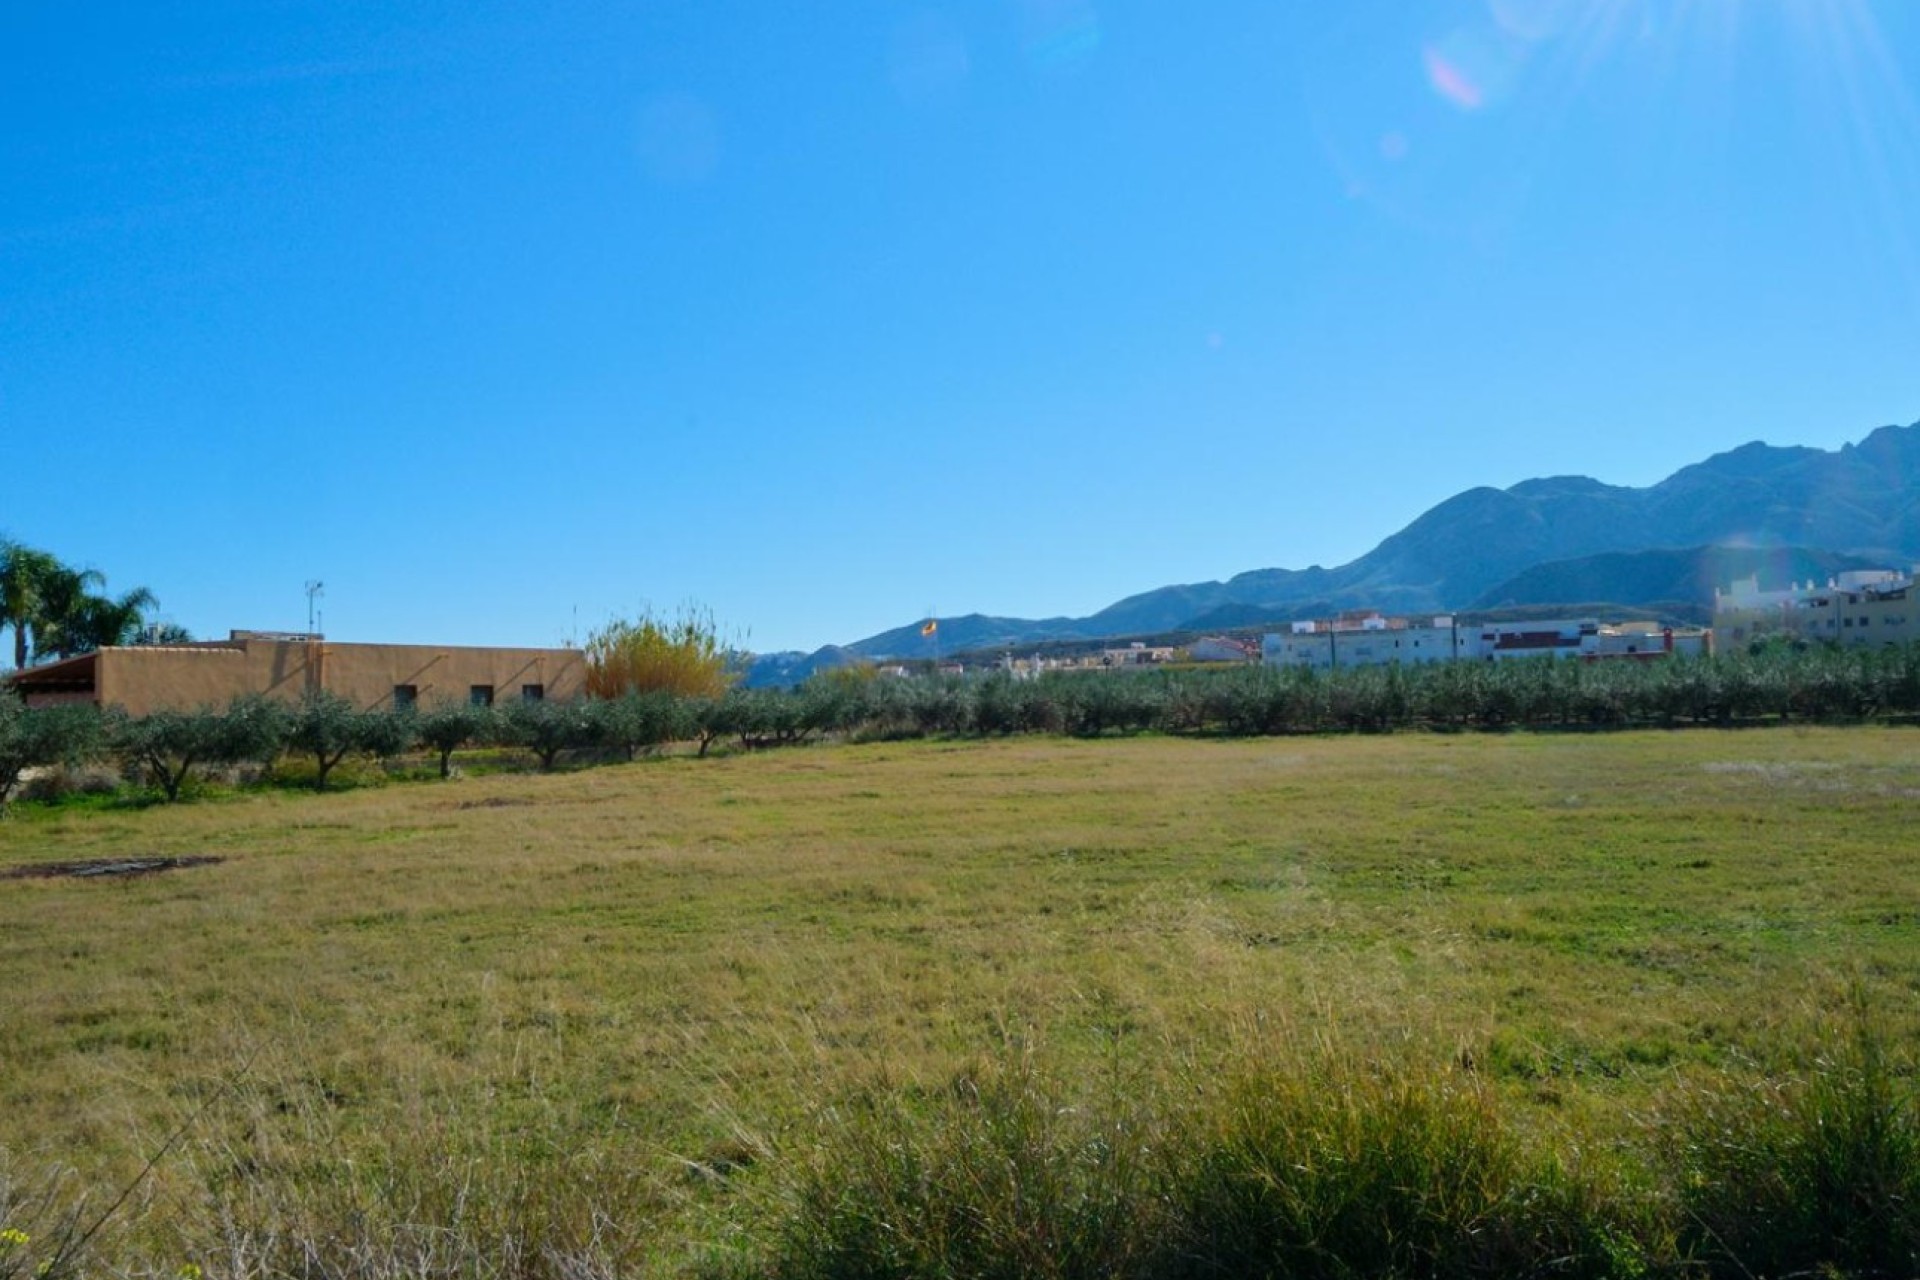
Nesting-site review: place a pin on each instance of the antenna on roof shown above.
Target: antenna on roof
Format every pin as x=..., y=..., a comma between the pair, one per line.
x=315, y=589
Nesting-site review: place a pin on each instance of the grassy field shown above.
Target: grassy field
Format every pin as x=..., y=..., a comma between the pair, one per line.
x=617, y=1008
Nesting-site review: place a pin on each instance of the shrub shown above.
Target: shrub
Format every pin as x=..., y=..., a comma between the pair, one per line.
x=683, y=655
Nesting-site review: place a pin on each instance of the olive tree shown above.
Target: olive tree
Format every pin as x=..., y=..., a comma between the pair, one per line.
x=328, y=728
x=255, y=730
x=166, y=745
x=548, y=728
x=48, y=736
x=639, y=722
x=452, y=725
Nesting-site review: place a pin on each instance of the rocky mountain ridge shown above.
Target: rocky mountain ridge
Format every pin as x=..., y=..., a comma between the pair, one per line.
x=1782, y=511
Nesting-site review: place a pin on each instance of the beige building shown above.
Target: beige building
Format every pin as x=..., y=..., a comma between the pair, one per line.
x=211, y=673
x=1863, y=608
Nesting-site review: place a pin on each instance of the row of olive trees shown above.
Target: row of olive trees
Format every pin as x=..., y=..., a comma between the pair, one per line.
x=1775, y=685
x=166, y=748
x=1783, y=684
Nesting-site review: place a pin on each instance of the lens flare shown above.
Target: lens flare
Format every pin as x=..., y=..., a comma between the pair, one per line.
x=1474, y=67
x=1452, y=82
x=1445, y=128
x=1394, y=114
x=1859, y=86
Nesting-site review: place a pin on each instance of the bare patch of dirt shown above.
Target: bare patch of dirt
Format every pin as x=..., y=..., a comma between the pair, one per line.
x=104, y=867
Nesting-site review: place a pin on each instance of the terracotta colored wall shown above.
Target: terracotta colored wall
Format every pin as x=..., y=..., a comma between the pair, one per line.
x=143, y=680
x=365, y=674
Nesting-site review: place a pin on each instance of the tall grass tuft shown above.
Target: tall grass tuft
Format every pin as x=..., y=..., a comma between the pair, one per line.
x=997, y=1176
x=1355, y=1169
x=1329, y=1169
x=1817, y=1173
x=277, y=1185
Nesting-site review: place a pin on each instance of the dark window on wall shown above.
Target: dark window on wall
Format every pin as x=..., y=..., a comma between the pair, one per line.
x=533, y=693
x=405, y=697
x=480, y=695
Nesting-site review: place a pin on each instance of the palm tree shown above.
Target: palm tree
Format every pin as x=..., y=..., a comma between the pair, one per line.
x=101, y=621
x=24, y=574
x=60, y=621
x=54, y=609
x=162, y=633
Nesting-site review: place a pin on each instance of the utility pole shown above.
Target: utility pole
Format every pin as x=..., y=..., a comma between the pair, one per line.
x=316, y=679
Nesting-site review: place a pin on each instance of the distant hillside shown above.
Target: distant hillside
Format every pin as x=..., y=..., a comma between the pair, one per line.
x=1857, y=505
x=793, y=667
x=971, y=631
x=1227, y=617
x=1643, y=577
x=1672, y=613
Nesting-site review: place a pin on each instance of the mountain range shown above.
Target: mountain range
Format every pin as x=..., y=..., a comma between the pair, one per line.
x=1786, y=513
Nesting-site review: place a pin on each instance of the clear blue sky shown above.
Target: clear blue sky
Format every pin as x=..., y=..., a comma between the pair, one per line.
x=491, y=315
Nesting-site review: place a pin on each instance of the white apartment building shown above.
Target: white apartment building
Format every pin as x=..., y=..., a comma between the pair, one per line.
x=1371, y=641
x=1374, y=640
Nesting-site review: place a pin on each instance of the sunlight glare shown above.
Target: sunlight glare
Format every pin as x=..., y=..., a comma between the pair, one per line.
x=1862, y=96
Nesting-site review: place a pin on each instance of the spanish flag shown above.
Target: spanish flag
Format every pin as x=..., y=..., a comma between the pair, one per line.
x=928, y=627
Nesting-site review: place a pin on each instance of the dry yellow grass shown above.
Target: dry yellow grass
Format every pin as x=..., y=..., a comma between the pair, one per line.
x=617, y=975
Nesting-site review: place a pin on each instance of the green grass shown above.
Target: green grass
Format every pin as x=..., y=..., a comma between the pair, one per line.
x=641, y=1014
